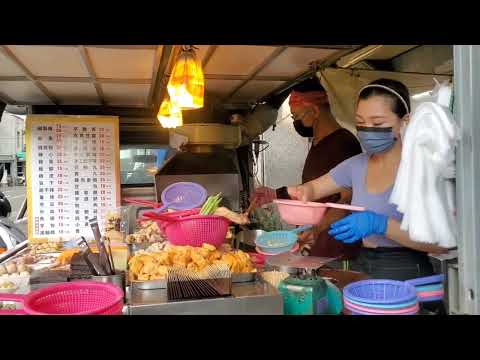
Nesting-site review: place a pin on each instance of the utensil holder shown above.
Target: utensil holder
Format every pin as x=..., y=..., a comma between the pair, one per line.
x=117, y=279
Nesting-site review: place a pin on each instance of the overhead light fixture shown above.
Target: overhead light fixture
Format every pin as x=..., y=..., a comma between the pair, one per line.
x=357, y=56
x=169, y=115
x=187, y=84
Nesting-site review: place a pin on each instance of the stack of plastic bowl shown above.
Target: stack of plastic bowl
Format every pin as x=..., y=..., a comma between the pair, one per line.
x=380, y=297
x=429, y=288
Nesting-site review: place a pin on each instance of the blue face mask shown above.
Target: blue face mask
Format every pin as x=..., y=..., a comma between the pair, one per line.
x=376, y=140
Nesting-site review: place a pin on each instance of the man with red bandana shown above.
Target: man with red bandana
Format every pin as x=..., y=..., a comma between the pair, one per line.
x=331, y=145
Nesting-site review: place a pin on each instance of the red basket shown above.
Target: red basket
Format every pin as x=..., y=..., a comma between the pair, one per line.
x=74, y=298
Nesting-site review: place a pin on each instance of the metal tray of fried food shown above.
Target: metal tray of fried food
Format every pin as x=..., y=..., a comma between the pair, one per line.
x=149, y=284
x=162, y=283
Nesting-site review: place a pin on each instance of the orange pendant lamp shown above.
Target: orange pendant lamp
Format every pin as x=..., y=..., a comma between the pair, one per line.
x=187, y=83
x=169, y=115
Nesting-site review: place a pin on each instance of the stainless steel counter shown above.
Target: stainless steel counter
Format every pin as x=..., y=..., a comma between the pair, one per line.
x=254, y=298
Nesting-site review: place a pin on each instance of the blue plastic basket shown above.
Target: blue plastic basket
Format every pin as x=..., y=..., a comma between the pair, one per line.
x=434, y=279
x=380, y=292
x=433, y=287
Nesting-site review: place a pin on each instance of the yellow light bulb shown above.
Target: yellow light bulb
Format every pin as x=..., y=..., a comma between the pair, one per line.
x=170, y=116
x=187, y=83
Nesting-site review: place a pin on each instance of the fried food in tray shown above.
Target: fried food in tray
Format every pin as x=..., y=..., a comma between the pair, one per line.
x=113, y=220
x=148, y=232
x=46, y=247
x=146, y=266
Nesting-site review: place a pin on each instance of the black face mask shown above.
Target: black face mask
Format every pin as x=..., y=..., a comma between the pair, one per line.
x=302, y=130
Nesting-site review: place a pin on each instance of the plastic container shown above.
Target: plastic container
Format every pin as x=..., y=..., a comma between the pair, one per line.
x=197, y=230
x=73, y=298
x=267, y=252
x=385, y=306
x=368, y=310
x=277, y=242
x=380, y=292
x=165, y=219
x=182, y=196
x=434, y=279
x=189, y=228
x=298, y=213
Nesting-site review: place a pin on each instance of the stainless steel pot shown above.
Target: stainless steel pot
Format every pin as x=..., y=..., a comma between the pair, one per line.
x=248, y=237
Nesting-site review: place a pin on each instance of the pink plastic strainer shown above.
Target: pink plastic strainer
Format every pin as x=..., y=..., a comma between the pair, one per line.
x=73, y=298
x=190, y=228
x=198, y=230
x=296, y=212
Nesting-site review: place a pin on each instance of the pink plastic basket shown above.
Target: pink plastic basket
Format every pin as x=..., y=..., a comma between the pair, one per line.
x=298, y=213
x=74, y=298
x=197, y=230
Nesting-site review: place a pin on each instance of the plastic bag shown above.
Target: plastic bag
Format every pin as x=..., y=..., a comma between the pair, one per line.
x=442, y=93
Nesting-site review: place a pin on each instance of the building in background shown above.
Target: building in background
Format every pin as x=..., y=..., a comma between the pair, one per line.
x=13, y=147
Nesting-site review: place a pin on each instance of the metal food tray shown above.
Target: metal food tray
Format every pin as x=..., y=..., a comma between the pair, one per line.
x=162, y=283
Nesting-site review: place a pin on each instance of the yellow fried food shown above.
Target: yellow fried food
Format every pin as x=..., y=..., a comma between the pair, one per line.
x=199, y=260
x=208, y=247
x=152, y=266
x=143, y=277
x=136, y=266
x=162, y=258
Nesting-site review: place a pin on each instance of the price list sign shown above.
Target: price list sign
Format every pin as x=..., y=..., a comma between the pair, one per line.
x=73, y=173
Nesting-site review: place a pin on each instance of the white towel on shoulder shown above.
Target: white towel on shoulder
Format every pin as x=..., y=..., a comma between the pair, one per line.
x=424, y=189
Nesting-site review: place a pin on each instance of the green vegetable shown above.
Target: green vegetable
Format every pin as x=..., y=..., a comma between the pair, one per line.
x=212, y=204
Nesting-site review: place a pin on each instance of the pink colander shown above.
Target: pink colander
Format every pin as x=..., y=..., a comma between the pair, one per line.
x=190, y=228
x=198, y=230
x=296, y=212
x=73, y=298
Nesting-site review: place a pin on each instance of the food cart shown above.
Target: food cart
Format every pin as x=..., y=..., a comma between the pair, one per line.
x=116, y=94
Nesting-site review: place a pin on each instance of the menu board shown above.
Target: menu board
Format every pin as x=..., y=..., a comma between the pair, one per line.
x=73, y=174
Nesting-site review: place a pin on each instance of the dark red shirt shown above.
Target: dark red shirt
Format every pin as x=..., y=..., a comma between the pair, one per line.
x=323, y=157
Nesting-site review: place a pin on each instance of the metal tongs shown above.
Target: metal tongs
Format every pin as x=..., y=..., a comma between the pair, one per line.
x=90, y=258
x=105, y=257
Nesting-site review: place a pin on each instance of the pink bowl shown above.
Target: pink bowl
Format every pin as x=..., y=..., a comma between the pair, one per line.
x=295, y=212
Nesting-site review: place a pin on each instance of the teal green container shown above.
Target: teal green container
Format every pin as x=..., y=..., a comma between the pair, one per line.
x=307, y=296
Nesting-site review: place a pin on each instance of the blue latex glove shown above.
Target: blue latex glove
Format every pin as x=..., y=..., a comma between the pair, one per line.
x=358, y=226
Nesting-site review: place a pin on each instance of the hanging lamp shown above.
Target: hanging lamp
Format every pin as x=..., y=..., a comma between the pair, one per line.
x=169, y=115
x=187, y=83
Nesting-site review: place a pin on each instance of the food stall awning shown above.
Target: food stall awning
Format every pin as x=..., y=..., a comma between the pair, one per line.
x=135, y=76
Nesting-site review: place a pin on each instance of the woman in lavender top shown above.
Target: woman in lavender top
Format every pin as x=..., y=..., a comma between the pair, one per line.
x=383, y=109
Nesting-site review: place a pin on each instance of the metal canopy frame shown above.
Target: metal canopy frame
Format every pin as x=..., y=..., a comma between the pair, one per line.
x=467, y=114
x=163, y=61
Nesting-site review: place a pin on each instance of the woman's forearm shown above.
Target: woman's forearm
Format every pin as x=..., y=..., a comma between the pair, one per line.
x=316, y=189
x=395, y=233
